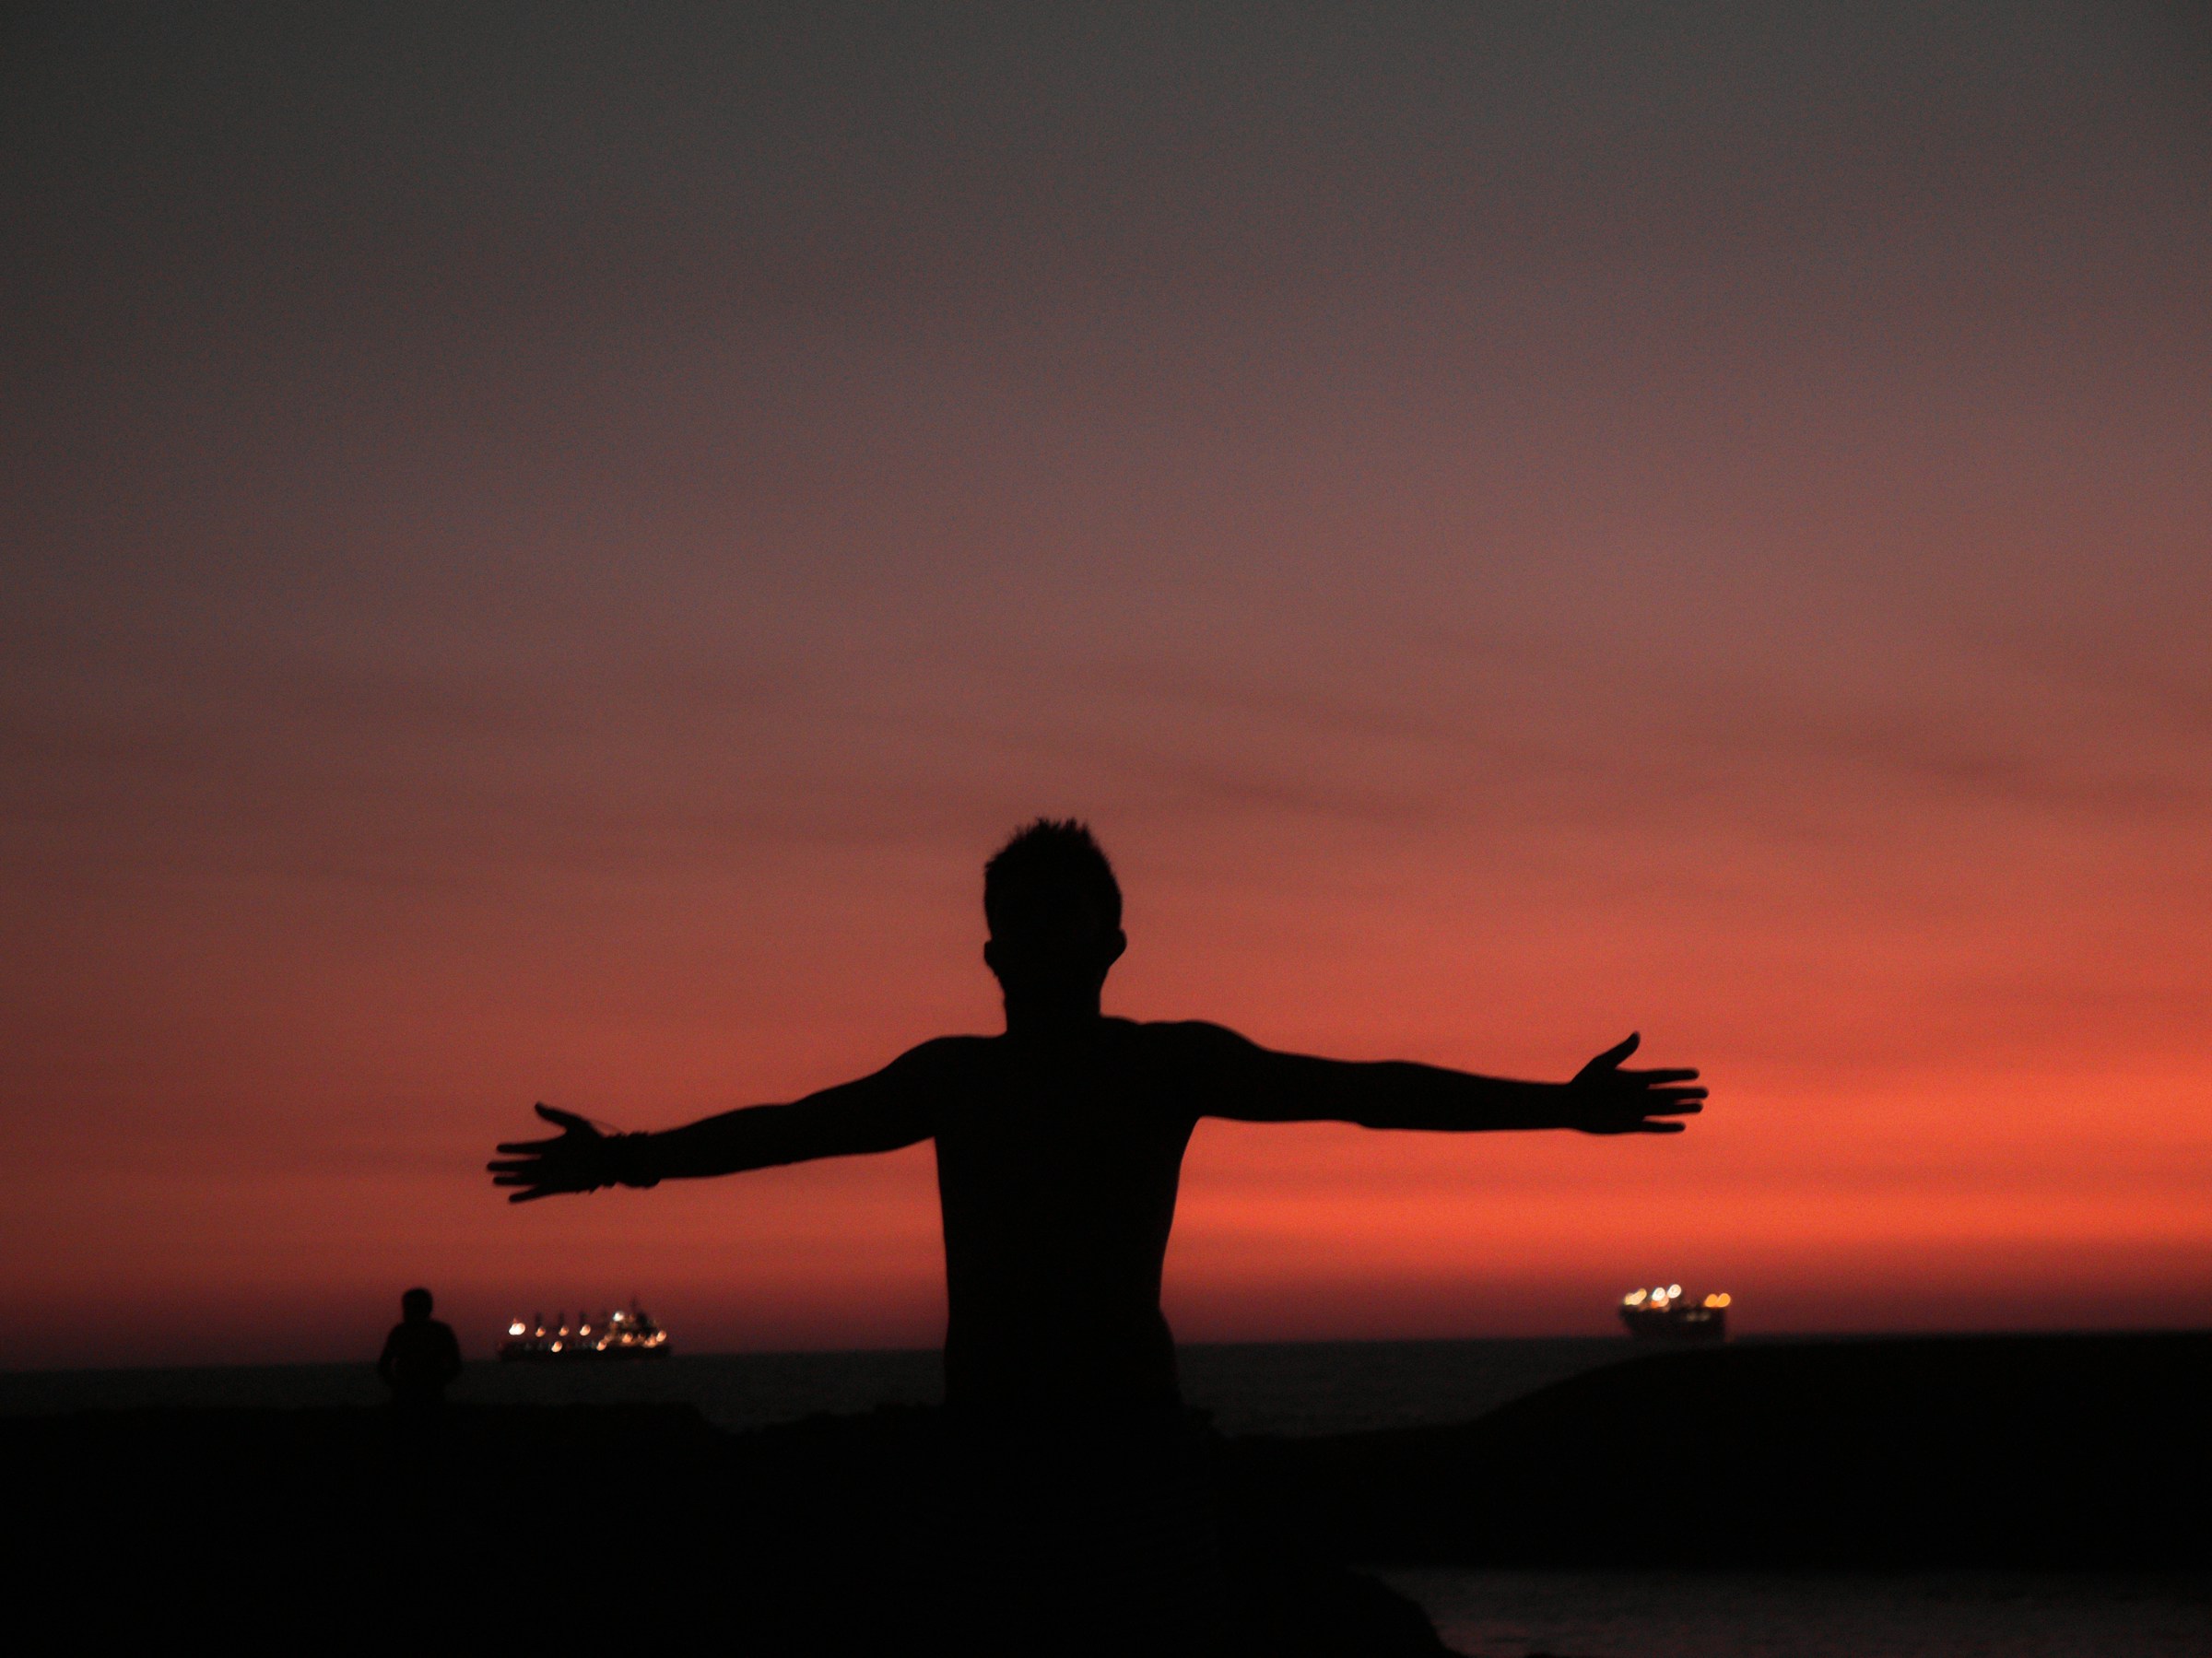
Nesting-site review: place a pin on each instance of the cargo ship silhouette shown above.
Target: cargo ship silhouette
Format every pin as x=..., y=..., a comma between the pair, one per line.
x=631, y=1335
x=1664, y=1313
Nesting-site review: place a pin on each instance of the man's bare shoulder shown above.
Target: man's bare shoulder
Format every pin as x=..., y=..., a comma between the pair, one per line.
x=945, y=1055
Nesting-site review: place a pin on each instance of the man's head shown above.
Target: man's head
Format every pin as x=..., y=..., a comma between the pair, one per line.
x=1056, y=915
x=414, y=1306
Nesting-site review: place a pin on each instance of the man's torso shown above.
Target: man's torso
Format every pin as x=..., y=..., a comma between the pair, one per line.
x=1057, y=1169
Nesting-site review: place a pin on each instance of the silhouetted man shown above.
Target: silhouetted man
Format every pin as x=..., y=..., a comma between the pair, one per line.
x=420, y=1356
x=1059, y=1144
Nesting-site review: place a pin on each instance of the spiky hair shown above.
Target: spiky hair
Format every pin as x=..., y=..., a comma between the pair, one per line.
x=1050, y=857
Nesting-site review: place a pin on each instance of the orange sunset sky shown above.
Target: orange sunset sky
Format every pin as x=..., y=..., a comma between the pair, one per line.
x=544, y=548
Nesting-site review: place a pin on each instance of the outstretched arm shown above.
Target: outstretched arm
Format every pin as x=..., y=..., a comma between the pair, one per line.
x=881, y=1112
x=1257, y=1085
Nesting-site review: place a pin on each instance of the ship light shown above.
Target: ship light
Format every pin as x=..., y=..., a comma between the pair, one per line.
x=1716, y=1300
x=1633, y=1299
x=1673, y=1290
x=515, y=1328
x=556, y=1346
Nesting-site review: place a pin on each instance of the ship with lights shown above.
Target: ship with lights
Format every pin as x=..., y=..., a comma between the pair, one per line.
x=611, y=1336
x=1664, y=1313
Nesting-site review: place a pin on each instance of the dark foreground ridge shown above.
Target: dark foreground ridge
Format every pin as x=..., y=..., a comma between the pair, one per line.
x=361, y=1526
x=2024, y=1450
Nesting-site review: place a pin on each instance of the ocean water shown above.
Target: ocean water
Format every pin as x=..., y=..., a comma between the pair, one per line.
x=1799, y=1614
x=1337, y=1387
x=1290, y=1388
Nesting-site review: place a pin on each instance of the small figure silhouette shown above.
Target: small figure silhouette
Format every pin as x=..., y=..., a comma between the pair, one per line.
x=420, y=1356
x=1059, y=1148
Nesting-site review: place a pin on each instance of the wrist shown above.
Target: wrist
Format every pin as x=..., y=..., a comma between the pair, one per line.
x=1559, y=1106
x=631, y=1159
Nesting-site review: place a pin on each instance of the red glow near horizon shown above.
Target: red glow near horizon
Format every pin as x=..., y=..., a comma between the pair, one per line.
x=1510, y=536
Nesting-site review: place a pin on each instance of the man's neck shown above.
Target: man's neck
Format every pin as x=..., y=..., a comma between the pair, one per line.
x=1053, y=1018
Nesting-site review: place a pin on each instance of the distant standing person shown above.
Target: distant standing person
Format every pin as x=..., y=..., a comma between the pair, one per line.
x=420, y=1355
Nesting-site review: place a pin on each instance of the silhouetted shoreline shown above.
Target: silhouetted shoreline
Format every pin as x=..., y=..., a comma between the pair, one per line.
x=1929, y=1451
x=817, y=1535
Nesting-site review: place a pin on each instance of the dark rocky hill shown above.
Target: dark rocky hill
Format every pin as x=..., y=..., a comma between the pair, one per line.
x=350, y=1528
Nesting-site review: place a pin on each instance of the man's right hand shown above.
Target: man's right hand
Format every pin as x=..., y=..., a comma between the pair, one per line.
x=579, y=1158
x=1605, y=1100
